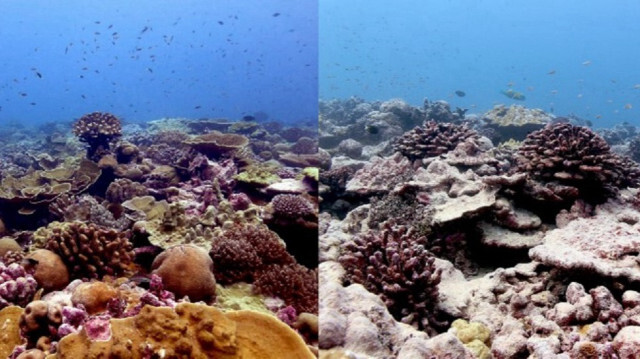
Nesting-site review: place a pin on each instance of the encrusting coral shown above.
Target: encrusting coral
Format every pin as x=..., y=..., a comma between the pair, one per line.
x=190, y=331
x=16, y=285
x=395, y=264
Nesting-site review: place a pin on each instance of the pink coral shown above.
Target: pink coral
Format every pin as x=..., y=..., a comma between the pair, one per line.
x=291, y=206
x=16, y=286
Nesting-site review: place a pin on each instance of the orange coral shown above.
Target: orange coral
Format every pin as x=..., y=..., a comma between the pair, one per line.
x=190, y=331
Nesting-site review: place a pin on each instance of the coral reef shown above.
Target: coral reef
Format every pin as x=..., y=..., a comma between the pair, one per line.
x=16, y=285
x=98, y=130
x=575, y=156
x=515, y=122
x=188, y=330
x=395, y=265
x=432, y=139
x=88, y=250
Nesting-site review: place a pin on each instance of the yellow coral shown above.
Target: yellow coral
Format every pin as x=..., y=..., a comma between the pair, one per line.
x=9, y=330
x=190, y=331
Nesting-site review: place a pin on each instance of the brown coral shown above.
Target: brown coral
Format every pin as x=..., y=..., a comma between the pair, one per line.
x=296, y=284
x=186, y=270
x=48, y=269
x=123, y=189
x=241, y=251
x=577, y=157
x=98, y=130
x=432, y=139
x=395, y=264
x=90, y=251
x=190, y=331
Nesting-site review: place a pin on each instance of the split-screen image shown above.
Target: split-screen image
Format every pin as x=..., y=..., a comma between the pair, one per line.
x=319, y=179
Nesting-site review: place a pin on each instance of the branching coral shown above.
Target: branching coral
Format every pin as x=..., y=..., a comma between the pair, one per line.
x=296, y=284
x=292, y=206
x=243, y=250
x=432, y=139
x=394, y=264
x=577, y=157
x=88, y=250
x=98, y=130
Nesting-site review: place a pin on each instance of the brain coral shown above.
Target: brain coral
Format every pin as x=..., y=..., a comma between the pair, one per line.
x=89, y=250
x=394, y=264
x=432, y=139
x=576, y=156
x=186, y=270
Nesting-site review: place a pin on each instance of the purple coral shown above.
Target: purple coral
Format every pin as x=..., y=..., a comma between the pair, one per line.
x=16, y=285
x=577, y=157
x=395, y=264
x=296, y=284
x=291, y=206
x=432, y=139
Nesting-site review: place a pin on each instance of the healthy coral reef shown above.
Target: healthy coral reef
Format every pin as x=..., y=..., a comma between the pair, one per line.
x=98, y=130
x=156, y=216
x=575, y=156
x=432, y=139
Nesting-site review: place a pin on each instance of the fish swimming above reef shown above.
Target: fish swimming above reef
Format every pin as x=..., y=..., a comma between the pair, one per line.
x=513, y=94
x=460, y=93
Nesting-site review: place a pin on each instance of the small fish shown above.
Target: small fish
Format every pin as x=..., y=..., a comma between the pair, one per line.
x=579, y=95
x=276, y=14
x=83, y=96
x=32, y=103
x=553, y=92
x=150, y=69
x=628, y=106
x=510, y=93
x=38, y=74
x=220, y=22
x=145, y=29
x=23, y=94
x=552, y=72
x=460, y=93
x=586, y=63
x=598, y=117
x=110, y=26
x=197, y=107
x=636, y=87
x=96, y=22
x=248, y=118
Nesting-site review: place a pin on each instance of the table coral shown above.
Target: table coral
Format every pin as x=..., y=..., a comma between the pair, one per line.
x=98, y=130
x=600, y=244
x=190, y=330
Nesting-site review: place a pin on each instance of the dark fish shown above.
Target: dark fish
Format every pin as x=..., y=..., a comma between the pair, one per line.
x=248, y=118
x=38, y=74
x=149, y=69
x=33, y=104
x=110, y=26
x=221, y=22
x=83, y=96
x=23, y=94
x=145, y=29
x=460, y=93
x=197, y=107
x=372, y=130
x=276, y=14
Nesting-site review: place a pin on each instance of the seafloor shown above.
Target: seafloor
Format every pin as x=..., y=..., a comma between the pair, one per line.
x=171, y=239
x=509, y=234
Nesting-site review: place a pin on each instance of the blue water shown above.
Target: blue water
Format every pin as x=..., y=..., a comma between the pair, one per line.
x=147, y=59
x=568, y=56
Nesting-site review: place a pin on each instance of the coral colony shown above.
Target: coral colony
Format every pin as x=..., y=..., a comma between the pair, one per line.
x=185, y=239
x=509, y=234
